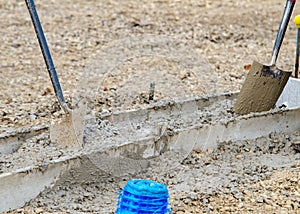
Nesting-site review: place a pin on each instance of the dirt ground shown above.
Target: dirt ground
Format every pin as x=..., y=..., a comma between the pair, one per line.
x=114, y=49
x=227, y=35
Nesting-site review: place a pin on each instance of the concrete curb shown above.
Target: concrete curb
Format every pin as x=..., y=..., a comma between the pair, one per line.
x=23, y=185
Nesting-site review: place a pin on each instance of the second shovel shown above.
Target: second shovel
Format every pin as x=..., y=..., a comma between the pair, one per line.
x=69, y=130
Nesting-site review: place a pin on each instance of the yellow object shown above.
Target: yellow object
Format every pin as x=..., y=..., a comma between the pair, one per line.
x=297, y=21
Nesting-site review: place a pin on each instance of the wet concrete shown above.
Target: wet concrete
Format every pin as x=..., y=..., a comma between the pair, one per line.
x=135, y=142
x=261, y=89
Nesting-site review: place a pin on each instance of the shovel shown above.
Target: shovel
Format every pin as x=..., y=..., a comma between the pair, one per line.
x=264, y=83
x=296, y=88
x=290, y=97
x=68, y=131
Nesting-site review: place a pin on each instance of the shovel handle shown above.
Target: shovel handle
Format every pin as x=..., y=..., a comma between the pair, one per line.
x=289, y=6
x=297, y=23
x=46, y=54
x=297, y=53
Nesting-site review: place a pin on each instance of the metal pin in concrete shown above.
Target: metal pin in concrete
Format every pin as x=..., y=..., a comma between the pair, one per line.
x=152, y=90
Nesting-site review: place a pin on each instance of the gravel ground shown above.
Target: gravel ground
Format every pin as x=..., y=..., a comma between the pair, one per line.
x=248, y=176
x=228, y=35
x=114, y=50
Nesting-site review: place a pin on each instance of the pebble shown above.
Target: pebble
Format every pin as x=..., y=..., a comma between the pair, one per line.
x=241, y=205
x=260, y=200
x=269, y=208
x=187, y=201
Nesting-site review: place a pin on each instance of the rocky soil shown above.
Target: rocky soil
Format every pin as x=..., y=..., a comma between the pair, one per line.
x=239, y=177
x=111, y=51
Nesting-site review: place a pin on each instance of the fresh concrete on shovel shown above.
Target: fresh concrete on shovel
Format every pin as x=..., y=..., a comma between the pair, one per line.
x=132, y=142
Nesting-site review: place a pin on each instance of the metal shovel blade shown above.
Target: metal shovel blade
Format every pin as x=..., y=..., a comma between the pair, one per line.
x=261, y=89
x=69, y=130
x=264, y=83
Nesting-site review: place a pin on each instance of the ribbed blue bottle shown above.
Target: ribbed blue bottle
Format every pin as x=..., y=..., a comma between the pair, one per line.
x=143, y=197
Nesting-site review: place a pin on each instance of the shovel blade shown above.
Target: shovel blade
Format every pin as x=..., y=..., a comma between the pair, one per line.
x=261, y=89
x=69, y=130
